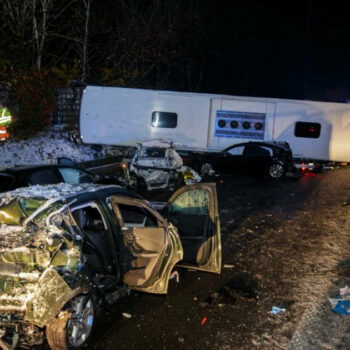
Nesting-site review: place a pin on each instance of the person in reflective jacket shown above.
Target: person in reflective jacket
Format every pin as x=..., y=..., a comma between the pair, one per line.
x=5, y=119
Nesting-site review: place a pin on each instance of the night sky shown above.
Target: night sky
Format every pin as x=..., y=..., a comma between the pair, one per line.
x=288, y=49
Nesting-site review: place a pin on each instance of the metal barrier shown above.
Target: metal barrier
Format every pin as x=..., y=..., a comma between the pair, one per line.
x=68, y=106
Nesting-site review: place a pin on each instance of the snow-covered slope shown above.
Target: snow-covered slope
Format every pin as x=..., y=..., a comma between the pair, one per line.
x=45, y=148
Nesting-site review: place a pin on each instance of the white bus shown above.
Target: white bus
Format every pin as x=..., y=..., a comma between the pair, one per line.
x=209, y=122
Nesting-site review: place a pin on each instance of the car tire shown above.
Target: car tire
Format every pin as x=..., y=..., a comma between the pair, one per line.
x=276, y=171
x=72, y=328
x=206, y=169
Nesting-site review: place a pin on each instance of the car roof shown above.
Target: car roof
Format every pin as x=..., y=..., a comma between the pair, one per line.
x=271, y=144
x=64, y=191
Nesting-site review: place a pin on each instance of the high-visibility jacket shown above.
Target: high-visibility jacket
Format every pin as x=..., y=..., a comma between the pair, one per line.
x=3, y=133
x=5, y=116
x=5, y=119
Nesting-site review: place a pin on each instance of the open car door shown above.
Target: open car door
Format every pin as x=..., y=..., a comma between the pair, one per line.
x=154, y=248
x=194, y=211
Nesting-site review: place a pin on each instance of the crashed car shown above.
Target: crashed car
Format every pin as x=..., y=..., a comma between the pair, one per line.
x=156, y=165
x=271, y=159
x=28, y=175
x=67, y=250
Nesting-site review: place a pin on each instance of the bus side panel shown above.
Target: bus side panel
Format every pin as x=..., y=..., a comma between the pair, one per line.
x=115, y=116
x=334, y=122
x=227, y=118
x=121, y=116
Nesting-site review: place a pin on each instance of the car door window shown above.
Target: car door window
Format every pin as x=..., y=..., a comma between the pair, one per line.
x=193, y=210
x=194, y=202
x=236, y=151
x=75, y=176
x=134, y=216
x=44, y=177
x=257, y=151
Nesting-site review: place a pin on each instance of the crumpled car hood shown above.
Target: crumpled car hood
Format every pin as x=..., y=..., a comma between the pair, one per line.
x=21, y=266
x=31, y=253
x=29, y=280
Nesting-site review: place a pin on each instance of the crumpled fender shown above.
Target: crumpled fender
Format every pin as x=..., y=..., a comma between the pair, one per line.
x=50, y=296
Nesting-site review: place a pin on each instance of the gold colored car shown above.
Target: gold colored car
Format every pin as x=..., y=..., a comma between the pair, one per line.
x=65, y=250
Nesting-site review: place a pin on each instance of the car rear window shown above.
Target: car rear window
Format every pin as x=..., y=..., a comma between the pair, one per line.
x=153, y=153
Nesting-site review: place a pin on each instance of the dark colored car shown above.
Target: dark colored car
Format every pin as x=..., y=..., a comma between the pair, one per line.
x=252, y=158
x=69, y=251
x=23, y=176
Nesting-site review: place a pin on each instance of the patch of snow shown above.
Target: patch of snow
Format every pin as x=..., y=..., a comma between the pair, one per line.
x=48, y=191
x=46, y=147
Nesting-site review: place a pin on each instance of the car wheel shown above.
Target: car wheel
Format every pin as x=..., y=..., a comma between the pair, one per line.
x=73, y=327
x=276, y=170
x=206, y=169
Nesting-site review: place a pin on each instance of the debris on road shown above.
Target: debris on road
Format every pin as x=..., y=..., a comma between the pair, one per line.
x=342, y=306
x=181, y=339
x=190, y=176
x=126, y=315
x=204, y=320
x=229, y=266
x=175, y=275
x=344, y=291
x=276, y=310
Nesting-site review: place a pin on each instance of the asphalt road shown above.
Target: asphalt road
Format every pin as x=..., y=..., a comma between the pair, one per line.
x=285, y=244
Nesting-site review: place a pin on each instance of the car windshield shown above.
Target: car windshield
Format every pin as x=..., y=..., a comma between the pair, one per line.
x=153, y=152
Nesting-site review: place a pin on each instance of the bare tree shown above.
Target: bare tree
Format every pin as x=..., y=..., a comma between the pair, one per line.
x=82, y=15
x=34, y=21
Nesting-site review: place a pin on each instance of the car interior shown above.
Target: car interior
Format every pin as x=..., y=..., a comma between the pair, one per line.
x=96, y=245
x=144, y=238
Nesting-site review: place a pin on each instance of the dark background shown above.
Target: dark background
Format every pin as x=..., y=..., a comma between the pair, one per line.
x=289, y=49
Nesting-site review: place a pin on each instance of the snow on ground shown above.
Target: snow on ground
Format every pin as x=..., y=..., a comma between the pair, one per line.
x=45, y=148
